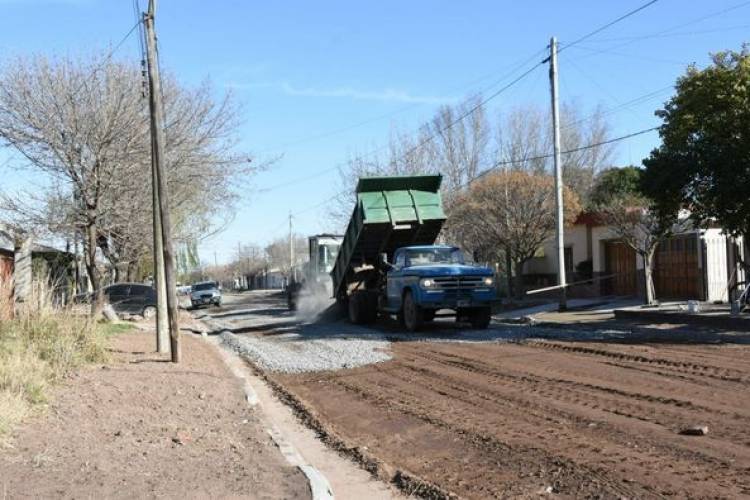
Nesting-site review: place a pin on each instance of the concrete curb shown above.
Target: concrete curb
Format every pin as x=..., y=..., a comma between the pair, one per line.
x=319, y=485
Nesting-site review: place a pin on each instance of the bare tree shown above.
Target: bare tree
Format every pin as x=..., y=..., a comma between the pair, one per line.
x=83, y=124
x=277, y=253
x=630, y=219
x=523, y=142
x=509, y=211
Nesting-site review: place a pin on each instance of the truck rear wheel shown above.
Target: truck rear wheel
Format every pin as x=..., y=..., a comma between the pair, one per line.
x=412, y=313
x=363, y=307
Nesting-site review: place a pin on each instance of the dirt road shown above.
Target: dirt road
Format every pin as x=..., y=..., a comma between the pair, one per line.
x=142, y=427
x=520, y=418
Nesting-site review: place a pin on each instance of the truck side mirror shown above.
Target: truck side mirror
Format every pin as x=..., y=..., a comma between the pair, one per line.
x=384, y=262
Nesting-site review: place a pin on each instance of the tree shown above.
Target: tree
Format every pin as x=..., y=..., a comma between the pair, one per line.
x=456, y=148
x=512, y=211
x=703, y=163
x=278, y=253
x=614, y=183
x=83, y=124
x=631, y=218
x=523, y=142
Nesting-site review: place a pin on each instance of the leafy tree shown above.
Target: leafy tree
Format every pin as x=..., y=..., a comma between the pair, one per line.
x=614, y=183
x=703, y=163
x=512, y=211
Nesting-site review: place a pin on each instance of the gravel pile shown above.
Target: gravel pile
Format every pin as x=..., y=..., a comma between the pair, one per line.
x=294, y=353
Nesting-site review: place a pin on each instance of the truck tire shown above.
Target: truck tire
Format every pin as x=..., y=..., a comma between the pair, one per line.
x=355, y=309
x=363, y=307
x=412, y=313
x=481, y=317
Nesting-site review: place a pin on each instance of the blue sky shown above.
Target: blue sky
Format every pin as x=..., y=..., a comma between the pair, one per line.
x=306, y=73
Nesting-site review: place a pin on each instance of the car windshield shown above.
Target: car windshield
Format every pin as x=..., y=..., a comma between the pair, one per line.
x=204, y=286
x=431, y=256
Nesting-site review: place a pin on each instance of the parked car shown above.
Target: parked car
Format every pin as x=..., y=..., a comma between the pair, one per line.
x=128, y=298
x=205, y=293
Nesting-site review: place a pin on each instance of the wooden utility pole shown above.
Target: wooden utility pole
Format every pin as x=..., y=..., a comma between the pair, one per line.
x=292, y=277
x=162, y=317
x=558, y=175
x=158, y=158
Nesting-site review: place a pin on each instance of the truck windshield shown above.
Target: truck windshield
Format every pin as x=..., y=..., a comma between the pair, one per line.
x=432, y=256
x=327, y=257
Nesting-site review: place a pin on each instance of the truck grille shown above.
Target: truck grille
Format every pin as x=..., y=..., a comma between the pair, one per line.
x=459, y=283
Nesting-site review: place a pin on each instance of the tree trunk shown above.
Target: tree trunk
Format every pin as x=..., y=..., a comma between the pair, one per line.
x=133, y=271
x=509, y=271
x=519, y=279
x=648, y=269
x=97, y=301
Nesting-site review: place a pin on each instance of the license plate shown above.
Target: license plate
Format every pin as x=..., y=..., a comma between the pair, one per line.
x=464, y=303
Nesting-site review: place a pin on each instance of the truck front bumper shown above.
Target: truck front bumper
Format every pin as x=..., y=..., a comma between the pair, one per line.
x=456, y=299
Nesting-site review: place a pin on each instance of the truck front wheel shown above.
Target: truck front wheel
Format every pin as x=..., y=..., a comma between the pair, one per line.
x=412, y=313
x=480, y=318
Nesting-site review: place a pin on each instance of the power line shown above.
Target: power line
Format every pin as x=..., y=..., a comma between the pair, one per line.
x=681, y=25
x=611, y=23
x=512, y=68
x=432, y=136
x=499, y=164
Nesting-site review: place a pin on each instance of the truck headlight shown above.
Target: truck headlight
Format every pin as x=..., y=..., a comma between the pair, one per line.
x=489, y=281
x=426, y=283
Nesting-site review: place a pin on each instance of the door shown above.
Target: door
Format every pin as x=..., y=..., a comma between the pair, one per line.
x=619, y=262
x=117, y=295
x=676, y=269
x=394, y=281
x=138, y=298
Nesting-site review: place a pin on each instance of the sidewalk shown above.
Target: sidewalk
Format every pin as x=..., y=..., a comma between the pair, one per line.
x=143, y=427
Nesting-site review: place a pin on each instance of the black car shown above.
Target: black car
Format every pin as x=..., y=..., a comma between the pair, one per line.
x=129, y=298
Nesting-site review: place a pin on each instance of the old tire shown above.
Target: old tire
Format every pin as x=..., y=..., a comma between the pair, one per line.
x=412, y=313
x=480, y=318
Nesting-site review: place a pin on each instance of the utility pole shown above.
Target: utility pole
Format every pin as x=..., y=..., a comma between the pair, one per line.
x=162, y=318
x=292, y=277
x=558, y=175
x=157, y=123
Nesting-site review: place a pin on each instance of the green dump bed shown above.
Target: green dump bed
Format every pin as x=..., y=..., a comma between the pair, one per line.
x=391, y=212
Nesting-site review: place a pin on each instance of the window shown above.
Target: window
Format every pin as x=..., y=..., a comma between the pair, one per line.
x=568, y=257
x=432, y=256
x=118, y=290
x=401, y=260
x=139, y=290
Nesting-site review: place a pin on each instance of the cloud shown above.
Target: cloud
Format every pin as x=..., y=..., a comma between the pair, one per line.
x=386, y=95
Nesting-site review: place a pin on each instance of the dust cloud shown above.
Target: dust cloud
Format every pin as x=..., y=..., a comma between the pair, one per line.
x=312, y=303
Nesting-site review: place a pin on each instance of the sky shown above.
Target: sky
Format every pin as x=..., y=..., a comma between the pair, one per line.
x=318, y=82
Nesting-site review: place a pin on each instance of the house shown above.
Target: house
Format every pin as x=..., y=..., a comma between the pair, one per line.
x=698, y=264
x=23, y=260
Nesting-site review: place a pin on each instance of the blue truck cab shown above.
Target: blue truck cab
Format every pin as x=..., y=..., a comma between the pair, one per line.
x=424, y=279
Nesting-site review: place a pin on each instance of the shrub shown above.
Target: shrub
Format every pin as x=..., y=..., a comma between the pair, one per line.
x=39, y=345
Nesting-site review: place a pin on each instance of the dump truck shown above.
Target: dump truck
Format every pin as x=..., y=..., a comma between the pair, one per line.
x=389, y=264
x=315, y=278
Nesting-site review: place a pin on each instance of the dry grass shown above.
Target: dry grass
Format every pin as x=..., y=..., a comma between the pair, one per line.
x=39, y=345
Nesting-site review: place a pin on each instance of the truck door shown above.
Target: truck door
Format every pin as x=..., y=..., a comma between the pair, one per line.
x=394, y=282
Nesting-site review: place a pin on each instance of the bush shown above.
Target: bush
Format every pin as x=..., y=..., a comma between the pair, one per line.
x=39, y=345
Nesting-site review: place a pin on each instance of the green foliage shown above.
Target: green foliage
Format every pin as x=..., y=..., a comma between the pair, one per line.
x=615, y=183
x=703, y=163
